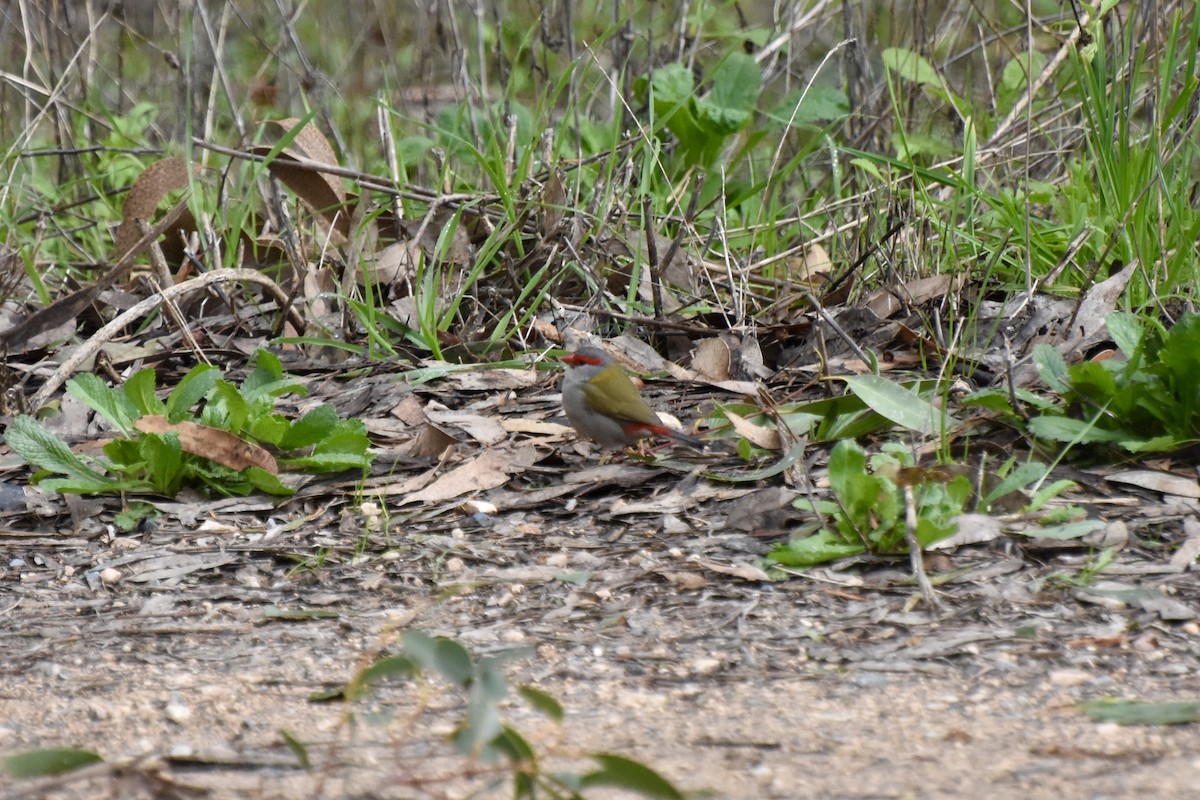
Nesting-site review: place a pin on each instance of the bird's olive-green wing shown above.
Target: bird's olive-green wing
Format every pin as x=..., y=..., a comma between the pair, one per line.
x=612, y=393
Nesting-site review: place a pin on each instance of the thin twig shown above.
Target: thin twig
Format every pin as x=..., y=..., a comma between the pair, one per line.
x=89, y=348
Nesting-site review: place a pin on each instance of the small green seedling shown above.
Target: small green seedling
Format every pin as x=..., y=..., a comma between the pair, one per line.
x=483, y=734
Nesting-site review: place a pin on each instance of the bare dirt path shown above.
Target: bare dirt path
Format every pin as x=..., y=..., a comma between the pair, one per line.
x=825, y=686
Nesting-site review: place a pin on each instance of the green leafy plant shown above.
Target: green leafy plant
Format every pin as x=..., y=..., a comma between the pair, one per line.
x=1145, y=399
x=483, y=735
x=868, y=510
x=163, y=446
x=703, y=122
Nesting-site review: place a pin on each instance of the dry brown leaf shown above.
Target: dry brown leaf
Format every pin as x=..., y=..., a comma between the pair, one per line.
x=431, y=442
x=814, y=267
x=156, y=182
x=1164, y=482
x=888, y=301
x=1185, y=557
x=524, y=425
x=1098, y=302
x=712, y=359
x=1114, y=535
x=166, y=569
x=672, y=502
x=214, y=444
x=323, y=193
x=410, y=410
x=757, y=435
x=492, y=380
x=746, y=572
x=688, y=581
x=554, y=200
x=488, y=470
x=486, y=430
x=393, y=265
x=972, y=529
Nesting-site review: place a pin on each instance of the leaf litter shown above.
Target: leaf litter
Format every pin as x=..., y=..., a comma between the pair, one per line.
x=565, y=541
x=483, y=518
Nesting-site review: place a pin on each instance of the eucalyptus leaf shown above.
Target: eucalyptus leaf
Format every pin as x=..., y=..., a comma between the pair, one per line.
x=48, y=761
x=625, y=773
x=898, y=404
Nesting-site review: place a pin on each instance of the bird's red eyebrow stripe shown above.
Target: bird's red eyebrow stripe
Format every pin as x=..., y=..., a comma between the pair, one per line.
x=577, y=359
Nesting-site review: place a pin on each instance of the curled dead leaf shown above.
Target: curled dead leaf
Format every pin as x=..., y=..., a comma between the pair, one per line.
x=156, y=182
x=323, y=192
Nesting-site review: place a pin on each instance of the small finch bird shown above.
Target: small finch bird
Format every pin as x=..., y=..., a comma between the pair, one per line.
x=604, y=405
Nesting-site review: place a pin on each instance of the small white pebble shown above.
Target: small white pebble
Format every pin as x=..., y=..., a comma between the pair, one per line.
x=110, y=575
x=177, y=712
x=1069, y=677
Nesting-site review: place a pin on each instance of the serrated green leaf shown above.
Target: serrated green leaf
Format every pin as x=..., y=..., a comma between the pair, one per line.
x=82, y=485
x=140, y=390
x=1127, y=332
x=348, y=436
x=869, y=167
x=268, y=428
x=819, y=104
x=730, y=104
x=1050, y=492
x=1024, y=475
x=1067, y=530
x=39, y=447
x=672, y=85
x=48, y=761
x=1021, y=69
x=314, y=426
x=823, y=546
x=163, y=457
x=326, y=462
x=197, y=383
x=1064, y=429
x=114, y=406
x=1052, y=367
x=226, y=408
x=264, y=481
